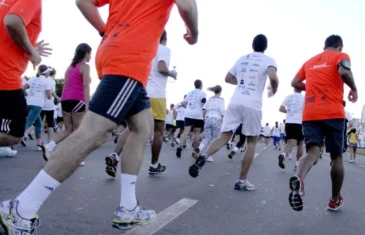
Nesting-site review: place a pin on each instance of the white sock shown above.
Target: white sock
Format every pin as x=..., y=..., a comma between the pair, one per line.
x=154, y=165
x=201, y=147
x=297, y=163
x=128, y=191
x=178, y=140
x=51, y=146
x=235, y=149
x=32, y=198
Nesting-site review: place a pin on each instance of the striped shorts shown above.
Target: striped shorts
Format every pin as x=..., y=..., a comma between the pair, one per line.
x=119, y=97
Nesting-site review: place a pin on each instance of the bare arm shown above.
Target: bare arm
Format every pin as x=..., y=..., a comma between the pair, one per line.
x=298, y=83
x=282, y=109
x=274, y=80
x=231, y=79
x=26, y=86
x=189, y=13
x=85, y=69
x=347, y=77
x=17, y=32
x=49, y=94
x=163, y=69
x=90, y=11
x=175, y=113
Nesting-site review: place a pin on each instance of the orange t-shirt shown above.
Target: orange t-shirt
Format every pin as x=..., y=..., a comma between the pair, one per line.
x=13, y=60
x=131, y=37
x=324, y=86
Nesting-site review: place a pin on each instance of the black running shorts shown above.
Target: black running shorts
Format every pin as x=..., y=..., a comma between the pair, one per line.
x=13, y=112
x=294, y=131
x=119, y=97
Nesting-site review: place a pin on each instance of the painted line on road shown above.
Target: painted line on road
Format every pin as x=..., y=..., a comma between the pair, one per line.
x=164, y=218
x=361, y=166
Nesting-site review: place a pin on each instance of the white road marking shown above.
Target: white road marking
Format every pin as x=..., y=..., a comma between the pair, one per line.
x=164, y=218
x=256, y=154
x=361, y=166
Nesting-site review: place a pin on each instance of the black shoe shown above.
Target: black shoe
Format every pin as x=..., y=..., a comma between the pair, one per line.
x=30, y=137
x=160, y=169
x=281, y=161
x=228, y=146
x=230, y=156
x=111, y=165
x=178, y=152
x=24, y=141
x=185, y=145
x=199, y=163
x=116, y=139
x=165, y=139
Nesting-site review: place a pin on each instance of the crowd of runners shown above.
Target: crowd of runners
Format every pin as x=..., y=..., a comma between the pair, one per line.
x=130, y=103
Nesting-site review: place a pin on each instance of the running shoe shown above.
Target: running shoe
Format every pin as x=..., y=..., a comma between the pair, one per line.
x=111, y=162
x=282, y=161
x=334, y=206
x=228, y=146
x=165, y=139
x=24, y=141
x=82, y=163
x=12, y=223
x=116, y=138
x=185, y=145
x=46, y=152
x=125, y=219
x=30, y=136
x=39, y=147
x=178, y=152
x=244, y=185
x=160, y=169
x=296, y=195
x=210, y=159
x=7, y=152
x=230, y=156
x=197, y=166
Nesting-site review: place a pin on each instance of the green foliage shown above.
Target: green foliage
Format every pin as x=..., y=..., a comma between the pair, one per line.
x=59, y=86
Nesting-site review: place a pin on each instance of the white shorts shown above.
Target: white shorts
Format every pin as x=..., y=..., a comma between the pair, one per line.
x=250, y=119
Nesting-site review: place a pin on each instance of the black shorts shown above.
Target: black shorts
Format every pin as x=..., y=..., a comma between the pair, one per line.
x=195, y=123
x=123, y=123
x=331, y=129
x=180, y=124
x=294, y=131
x=119, y=97
x=169, y=126
x=73, y=106
x=49, y=117
x=238, y=130
x=13, y=112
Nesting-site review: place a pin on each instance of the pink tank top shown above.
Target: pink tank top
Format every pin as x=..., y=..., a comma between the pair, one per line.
x=73, y=88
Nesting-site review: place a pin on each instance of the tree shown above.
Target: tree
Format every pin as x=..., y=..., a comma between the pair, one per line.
x=59, y=86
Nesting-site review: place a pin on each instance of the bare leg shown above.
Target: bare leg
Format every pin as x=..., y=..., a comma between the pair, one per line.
x=218, y=143
x=157, y=141
x=306, y=163
x=248, y=156
x=337, y=176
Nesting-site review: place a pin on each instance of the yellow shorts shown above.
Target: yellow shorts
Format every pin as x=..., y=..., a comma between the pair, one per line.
x=159, y=109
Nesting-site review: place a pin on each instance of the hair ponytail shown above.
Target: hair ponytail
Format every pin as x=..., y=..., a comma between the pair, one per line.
x=41, y=69
x=80, y=53
x=216, y=89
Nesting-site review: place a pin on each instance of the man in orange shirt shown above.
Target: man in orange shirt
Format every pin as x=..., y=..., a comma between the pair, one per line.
x=124, y=58
x=323, y=116
x=20, y=25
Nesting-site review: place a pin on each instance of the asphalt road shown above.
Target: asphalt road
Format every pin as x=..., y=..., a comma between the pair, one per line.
x=207, y=205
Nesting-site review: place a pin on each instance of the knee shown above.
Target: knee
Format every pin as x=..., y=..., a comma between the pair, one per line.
x=9, y=140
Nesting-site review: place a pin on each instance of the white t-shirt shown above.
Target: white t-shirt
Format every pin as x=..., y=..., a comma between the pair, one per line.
x=49, y=104
x=180, y=109
x=37, y=90
x=194, y=108
x=276, y=131
x=215, y=107
x=294, y=105
x=348, y=116
x=157, y=82
x=170, y=117
x=251, y=74
x=59, y=110
x=282, y=128
x=267, y=130
x=24, y=81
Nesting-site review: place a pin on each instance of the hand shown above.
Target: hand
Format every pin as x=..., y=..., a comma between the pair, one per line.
x=35, y=59
x=190, y=38
x=270, y=93
x=43, y=49
x=352, y=96
x=173, y=74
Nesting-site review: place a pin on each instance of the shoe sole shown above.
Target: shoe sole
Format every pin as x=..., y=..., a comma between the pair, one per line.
x=178, y=154
x=281, y=162
x=295, y=200
x=194, y=171
x=44, y=153
x=244, y=189
x=334, y=209
x=109, y=169
x=127, y=226
x=4, y=229
x=157, y=173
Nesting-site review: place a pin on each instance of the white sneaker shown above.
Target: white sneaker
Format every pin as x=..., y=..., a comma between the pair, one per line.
x=245, y=185
x=7, y=152
x=12, y=223
x=210, y=159
x=82, y=164
x=39, y=148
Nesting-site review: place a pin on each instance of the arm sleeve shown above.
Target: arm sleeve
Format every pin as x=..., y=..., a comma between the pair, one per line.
x=272, y=64
x=233, y=70
x=27, y=10
x=100, y=3
x=301, y=73
x=223, y=107
x=164, y=54
x=285, y=102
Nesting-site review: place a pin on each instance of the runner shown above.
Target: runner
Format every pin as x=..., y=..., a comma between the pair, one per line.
x=194, y=119
x=179, y=111
x=214, y=110
x=239, y=144
x=267, y=132
x=293, y=107
x=169, y=126
x=276, y=136
x=19, y=31
x=249, y=74
x=75, y=96
x=353, y=139
x=323, y=116
x=123, y=66
x=156, y=91
x=40, y=90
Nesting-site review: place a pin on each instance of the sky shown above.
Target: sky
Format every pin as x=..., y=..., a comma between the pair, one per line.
x=296, y=31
